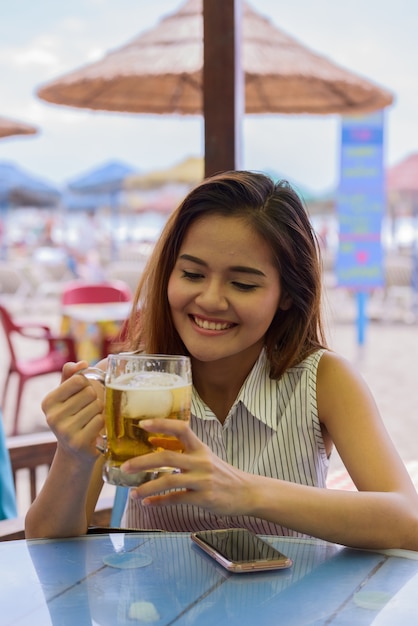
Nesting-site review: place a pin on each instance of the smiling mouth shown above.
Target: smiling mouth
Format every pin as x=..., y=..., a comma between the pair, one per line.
x=206, y=325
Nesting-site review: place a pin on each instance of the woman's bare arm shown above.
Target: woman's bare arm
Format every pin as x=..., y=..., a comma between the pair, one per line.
x=67, y=499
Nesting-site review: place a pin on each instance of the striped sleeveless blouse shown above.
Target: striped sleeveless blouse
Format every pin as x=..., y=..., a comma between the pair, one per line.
x=271, y=430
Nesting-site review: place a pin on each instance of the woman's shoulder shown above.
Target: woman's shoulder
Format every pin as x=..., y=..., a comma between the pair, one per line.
x=331, y=362
x=338, y=378
x=328, y=366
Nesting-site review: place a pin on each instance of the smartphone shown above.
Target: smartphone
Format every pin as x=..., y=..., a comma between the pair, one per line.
x=239, y=550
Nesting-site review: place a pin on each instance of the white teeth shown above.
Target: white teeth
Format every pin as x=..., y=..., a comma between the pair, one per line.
x=211, y=325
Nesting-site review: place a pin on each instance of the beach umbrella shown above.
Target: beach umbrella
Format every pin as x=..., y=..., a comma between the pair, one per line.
x=187, y=172
x=99, y=187
x=14, y=183
x=160, y=71
x=84, y=202
x=105, y=178
x=20, y=188
x=9, y=127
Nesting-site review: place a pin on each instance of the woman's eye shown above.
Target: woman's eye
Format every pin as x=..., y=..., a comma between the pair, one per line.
x=192, y=275
x=244, y=286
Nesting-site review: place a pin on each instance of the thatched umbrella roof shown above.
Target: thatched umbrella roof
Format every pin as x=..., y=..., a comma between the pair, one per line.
x=188, y=172
x=160, y=71
x=9, y=127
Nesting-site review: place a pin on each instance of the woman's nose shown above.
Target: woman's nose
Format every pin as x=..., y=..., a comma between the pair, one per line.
x=212, y=297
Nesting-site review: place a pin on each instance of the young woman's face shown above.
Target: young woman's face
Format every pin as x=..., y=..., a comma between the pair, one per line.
x=224, y=289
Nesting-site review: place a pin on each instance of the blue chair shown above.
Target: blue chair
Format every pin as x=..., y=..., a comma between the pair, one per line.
x=8, y=508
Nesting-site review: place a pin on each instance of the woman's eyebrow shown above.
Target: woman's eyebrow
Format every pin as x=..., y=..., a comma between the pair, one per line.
x=193, y=259
x=247, y=270
x=235, y=268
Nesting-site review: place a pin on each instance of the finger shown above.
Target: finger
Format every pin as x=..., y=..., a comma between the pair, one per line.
x=158, y=488
x=71, y=368
x=68, y=392
x=152, y=460
x=171, y=489
x=72, y=405
x=83, y=416
x=74, y=384
x=176, y=428
x=170, y=499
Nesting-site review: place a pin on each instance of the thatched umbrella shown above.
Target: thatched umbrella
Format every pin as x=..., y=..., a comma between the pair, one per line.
x=188, y=172
x=160, y=71
x=9, y=127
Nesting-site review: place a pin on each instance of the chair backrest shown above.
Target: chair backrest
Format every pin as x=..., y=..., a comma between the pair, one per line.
x=77, y=292
x=29, y=453
x=33, y=452
x=9, y=327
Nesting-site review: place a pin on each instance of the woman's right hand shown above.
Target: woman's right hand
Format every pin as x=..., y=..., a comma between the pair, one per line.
x=74, y=412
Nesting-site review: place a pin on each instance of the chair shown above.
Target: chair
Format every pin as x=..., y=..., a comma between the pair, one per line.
x=80, y=292
x=30, y=453
x=59, y=350
x=27, y=453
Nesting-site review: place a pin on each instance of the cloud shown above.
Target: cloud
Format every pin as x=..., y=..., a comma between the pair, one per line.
x=42, y=52
x=35, y=56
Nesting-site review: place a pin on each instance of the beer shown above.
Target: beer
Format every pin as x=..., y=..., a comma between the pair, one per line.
x=132, y=397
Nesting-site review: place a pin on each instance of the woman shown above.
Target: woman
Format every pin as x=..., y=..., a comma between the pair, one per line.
x=235, y=283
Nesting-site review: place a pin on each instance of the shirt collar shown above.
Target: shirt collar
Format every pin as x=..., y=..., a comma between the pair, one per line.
x=258, y=394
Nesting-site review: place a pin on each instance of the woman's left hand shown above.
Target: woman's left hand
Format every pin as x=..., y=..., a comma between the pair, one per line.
x=204, y=479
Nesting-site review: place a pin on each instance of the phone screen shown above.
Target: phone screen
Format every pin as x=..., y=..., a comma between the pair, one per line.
x=238, y=548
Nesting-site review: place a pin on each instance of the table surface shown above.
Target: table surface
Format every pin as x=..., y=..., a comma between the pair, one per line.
x=162, y=578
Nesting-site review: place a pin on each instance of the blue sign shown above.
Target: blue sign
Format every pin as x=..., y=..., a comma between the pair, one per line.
x=361, y=203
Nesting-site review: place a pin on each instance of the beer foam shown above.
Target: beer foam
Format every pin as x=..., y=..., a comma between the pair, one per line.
x=139, y=403
x=147, y=380
x=147, y=393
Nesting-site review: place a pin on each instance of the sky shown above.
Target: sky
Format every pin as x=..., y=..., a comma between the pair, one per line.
x=41, y=41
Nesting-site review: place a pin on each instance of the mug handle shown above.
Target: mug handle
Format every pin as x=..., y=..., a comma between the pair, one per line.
x=93, y=373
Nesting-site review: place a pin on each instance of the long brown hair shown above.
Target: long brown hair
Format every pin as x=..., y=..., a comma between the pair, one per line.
x=276, y=213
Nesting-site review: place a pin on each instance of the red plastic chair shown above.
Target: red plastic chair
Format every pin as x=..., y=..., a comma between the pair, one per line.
x=60, y=349
x=79, y=292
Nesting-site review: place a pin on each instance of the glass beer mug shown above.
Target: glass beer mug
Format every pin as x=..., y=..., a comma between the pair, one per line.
x=138, y=387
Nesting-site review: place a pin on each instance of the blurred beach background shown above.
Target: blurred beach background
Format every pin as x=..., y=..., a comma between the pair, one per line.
x=87, y=194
